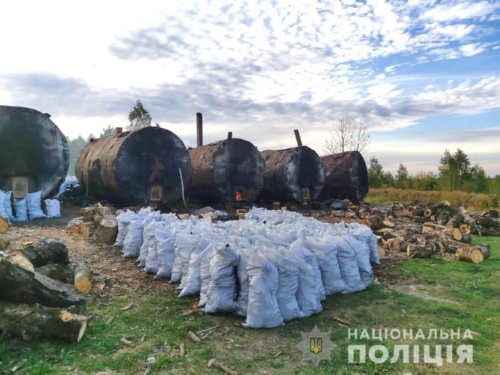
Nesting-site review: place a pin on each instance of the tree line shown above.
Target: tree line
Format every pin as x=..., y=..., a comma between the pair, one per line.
x=455, y=173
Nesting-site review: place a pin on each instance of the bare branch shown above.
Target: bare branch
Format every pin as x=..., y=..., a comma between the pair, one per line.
x=347, y=136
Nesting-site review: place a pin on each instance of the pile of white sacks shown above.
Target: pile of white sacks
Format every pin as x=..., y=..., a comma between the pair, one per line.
x=28, y=208
x=271, y=267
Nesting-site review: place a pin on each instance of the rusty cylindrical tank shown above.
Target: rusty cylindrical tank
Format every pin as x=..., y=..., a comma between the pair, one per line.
x=227, y=171
x=137, y=167
x=346, y=176
x=294, y=173
x=33, y=148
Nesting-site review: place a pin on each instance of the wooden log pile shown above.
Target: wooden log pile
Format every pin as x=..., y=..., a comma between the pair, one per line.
x=420, y=231
x=38, y=291
x=97, y=222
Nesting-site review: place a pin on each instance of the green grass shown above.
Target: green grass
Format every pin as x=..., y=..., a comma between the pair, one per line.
x=466, y=296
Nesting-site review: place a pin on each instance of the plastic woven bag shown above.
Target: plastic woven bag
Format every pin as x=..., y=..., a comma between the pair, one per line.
x=34, y=203
x=53, y=207
x=263, y=308
x=21, y=210
x=124, y=220
x=222, y=287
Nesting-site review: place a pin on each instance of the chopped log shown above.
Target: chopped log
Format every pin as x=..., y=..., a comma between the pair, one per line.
x=4, y=241
x=83, y=278
x=88, y=213
x=457, y=234
x=58, y=272
x=419, y=251
x=106, y=231
x=485, y=249
x=4, y=225
x=465, y=228
x=396, y=244
x=401, y=213
x=386, y=233
x=432, y=228
x=428, y=212
x=376, y=222
x=466, y=238
x=46, y=251
x=488, y=222
x=381, y=252
x=418, y=211
x=22, y=261
x=493, y=213
x=20, y=285
x=77, y=227
x=389, y=223
x=39, y=322
x=97, y=218
x=470, y=254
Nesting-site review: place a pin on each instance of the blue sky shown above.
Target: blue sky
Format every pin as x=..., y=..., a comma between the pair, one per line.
x=422, y=75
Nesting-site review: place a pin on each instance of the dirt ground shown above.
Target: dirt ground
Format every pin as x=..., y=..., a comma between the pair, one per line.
x=112, y=274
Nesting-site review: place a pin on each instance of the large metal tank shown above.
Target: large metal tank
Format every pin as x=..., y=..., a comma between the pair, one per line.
x=346, y=176
x=32, y=150
x=226, y=171
x=139, y=167
x=294, y=173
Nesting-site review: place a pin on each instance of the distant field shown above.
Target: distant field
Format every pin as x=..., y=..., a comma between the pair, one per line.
x=456, y=198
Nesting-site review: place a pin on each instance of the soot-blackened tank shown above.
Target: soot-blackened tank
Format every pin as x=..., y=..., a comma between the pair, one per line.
x=292, y=174
x=346, y=176
x=149, y=165
x=32, y=150
x=227, y=171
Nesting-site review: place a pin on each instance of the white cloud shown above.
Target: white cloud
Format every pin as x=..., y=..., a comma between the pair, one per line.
x=249, y=65
x=459, y=11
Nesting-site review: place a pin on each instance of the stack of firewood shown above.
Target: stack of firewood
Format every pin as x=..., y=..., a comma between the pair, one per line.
x=97, y=222
x=419, y=230
x=40, y=292
x=422, y=231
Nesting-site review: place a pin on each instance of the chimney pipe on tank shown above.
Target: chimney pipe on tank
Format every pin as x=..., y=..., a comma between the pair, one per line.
x=199, y=129
x=297, y=138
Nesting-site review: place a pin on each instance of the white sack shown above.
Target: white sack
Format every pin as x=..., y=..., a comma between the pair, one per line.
x=21, y=210
x=133, y=240
x=34, y=203
x=310, y=291
x=263, y=308
x=124, y=220
x=222, y=287
x=328, y=264
x=53, y=207
x=205, y=259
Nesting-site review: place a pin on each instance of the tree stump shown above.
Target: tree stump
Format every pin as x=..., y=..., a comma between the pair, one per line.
x=106, y=231
x=39, y=322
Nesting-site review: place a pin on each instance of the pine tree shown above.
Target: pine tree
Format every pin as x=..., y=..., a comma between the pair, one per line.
x=139, y=117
